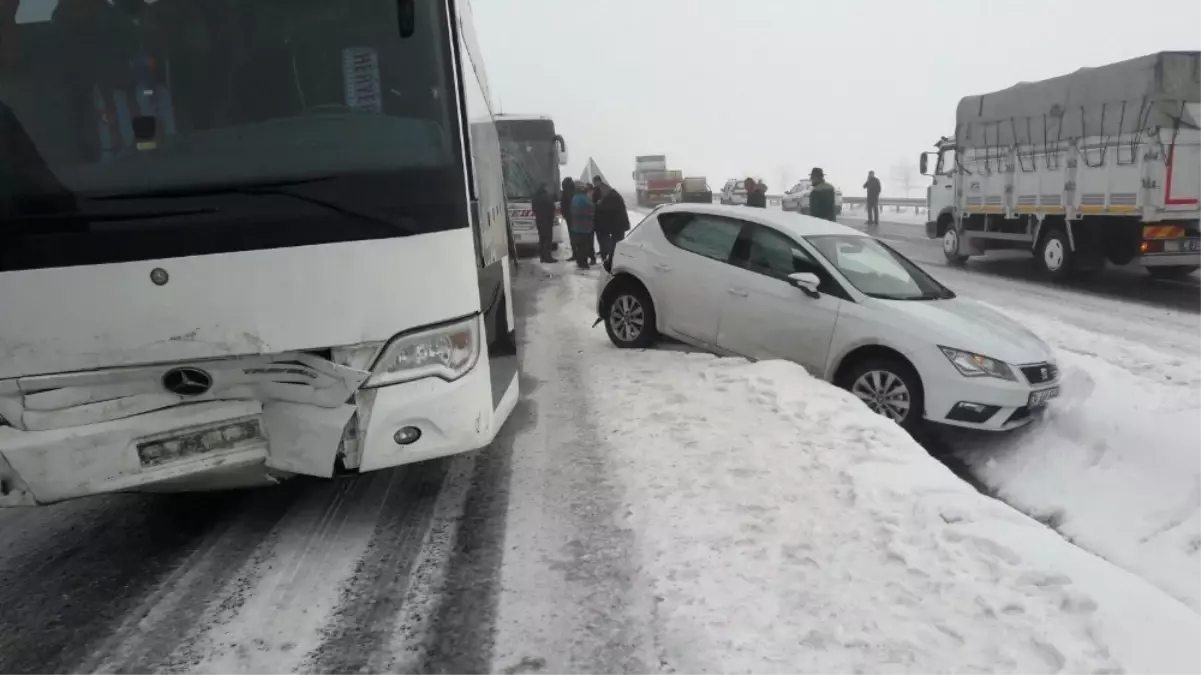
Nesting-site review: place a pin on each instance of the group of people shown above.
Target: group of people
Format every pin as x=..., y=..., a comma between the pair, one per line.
x=822, y=203
x=596, y=218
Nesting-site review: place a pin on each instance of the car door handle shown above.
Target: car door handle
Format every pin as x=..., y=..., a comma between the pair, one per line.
x=662, y=267
x=737, y=292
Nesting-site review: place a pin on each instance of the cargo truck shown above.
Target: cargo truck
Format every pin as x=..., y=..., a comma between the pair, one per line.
x=1100, y=165
x=653, y=181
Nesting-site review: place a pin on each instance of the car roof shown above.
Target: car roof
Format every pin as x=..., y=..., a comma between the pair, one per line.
x=792, y=223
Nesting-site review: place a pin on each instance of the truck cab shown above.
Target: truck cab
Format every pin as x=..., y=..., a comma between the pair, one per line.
x=940, y=194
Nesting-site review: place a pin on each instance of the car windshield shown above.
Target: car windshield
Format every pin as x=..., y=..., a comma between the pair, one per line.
x=877, y=270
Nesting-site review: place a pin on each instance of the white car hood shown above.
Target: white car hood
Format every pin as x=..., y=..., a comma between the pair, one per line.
x=965, y=324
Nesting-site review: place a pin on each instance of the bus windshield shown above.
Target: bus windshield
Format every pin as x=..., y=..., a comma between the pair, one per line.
x=104, y=100
x=530, y=157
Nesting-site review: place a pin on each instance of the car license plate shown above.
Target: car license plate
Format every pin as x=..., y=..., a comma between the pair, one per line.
x=1040, y=398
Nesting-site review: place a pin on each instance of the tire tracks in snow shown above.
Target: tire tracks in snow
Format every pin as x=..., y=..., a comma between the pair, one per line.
x=100, y=559
x=571, y=598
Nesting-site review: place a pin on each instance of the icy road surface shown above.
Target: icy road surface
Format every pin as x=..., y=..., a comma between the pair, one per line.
x=642, y=511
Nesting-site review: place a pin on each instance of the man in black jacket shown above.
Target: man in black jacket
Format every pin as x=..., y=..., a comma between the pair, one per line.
x=612, y=219
x=565, y=201
x=873, y=198
x=756, y=196
x=544, y=218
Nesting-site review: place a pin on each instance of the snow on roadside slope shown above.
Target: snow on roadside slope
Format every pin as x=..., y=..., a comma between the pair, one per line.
x=783, y=527
x=1116, y=462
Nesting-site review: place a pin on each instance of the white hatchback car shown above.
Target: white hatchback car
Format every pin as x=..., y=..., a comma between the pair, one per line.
x=768, y=285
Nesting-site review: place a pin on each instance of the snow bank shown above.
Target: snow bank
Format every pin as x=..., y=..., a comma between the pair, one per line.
x=783, y=527
x=1116, y=462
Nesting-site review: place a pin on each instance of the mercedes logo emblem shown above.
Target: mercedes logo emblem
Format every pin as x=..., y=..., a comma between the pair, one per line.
x=187, y=381
x=159, y=276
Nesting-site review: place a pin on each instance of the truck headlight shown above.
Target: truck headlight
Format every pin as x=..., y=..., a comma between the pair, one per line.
x=447, y=352
x=975, y=365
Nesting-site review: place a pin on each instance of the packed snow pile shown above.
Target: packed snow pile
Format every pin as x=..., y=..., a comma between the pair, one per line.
x=1116, y=462
x=783, y=527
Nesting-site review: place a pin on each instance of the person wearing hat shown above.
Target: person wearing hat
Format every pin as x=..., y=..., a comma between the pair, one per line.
x=821, y=199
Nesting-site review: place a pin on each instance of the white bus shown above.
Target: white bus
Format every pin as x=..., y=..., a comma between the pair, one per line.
x=531, y=152
x=245, y=241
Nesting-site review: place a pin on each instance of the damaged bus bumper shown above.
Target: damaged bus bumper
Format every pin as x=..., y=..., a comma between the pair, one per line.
x=262, y=419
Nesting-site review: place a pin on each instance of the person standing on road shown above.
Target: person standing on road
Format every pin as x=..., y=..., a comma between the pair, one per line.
x=565, y=201
x=873, y=198
x=612, y=220
x=544, y=218
x=821, y=199
x=755, y=195
x=583, y=214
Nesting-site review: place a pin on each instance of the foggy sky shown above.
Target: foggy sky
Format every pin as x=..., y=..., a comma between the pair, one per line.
x=775, y=87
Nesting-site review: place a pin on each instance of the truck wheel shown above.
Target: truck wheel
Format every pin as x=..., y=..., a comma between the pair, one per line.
x=1171, y=271
x=951, y=247
x=1055, y=256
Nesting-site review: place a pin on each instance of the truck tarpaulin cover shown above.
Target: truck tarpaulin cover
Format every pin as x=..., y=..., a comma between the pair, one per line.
x=1120, y=98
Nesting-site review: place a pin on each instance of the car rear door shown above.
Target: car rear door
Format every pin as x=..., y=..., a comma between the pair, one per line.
x=764, y=316
x=690, y=269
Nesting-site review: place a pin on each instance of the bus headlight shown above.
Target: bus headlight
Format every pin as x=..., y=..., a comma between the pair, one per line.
x=448, y=352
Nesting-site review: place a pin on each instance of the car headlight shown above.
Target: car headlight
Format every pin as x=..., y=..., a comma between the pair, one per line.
x=447, y=352
x=975, y=365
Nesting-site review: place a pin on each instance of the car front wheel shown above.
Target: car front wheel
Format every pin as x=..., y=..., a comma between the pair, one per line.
x=889, y=387
x=630, y=317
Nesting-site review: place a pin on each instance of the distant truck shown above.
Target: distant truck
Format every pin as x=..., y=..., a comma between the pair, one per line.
x=653, y=182
x=1100, y=165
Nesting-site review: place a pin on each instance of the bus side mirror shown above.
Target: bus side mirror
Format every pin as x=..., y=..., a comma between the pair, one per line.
x=924, y=164
x=562, y=150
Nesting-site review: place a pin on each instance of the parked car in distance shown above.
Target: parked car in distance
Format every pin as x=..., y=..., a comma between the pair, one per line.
x=734, y=192
x=797, y=198
x=693, y=190
x=762, y=284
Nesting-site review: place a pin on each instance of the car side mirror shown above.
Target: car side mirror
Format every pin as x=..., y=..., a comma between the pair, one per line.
x=924, y=164
x=806, y=281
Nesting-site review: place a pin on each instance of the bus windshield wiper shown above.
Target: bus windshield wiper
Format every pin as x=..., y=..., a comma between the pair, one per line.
x=268, y=188
x=78, y=221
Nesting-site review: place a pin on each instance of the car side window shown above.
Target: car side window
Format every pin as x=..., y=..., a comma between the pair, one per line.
x=775, y=255
x=709, y=236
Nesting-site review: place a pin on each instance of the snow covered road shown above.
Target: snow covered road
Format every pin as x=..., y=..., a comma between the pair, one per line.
x=641, y=511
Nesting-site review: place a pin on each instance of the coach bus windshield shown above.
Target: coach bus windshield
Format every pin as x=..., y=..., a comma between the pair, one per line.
x=305, y=111
x=530, y=156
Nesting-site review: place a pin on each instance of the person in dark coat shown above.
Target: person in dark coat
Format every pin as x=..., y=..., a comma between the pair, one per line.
x=565, y=200
x=544, y=217
x=756, y=196
x=583, y=214
x=821, y=199
x=612, y=220
x=873, y=198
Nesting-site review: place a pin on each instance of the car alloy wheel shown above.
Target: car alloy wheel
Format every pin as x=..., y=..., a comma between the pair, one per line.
x=885, y=393
x=627, y=317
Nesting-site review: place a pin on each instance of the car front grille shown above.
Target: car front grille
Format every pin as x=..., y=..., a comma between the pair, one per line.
x=1040, y=372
